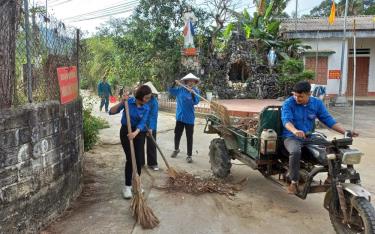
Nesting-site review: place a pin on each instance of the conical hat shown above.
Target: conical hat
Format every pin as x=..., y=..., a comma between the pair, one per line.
x=152, y=87
x=190, y=76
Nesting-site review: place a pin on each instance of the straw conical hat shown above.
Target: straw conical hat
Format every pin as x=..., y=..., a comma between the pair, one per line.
x=190, y=76
x=152, y=87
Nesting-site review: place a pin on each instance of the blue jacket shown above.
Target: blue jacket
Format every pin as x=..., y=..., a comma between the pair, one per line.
x=104, y=89
x=303, y=116
x=138, y=115
x=185, y=104
x=152, y=121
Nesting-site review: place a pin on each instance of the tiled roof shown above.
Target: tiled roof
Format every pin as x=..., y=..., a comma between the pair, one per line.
x=321, y=23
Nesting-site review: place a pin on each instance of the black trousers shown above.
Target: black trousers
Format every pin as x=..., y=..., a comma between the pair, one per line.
x=139, y=143
x=151, y=150
x=189, y=130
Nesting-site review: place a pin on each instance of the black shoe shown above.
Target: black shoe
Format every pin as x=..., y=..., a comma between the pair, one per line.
x=174, y=154
x=189, y=159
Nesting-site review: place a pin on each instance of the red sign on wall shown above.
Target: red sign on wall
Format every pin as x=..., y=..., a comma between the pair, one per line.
x=334, y=74
x=68, y=83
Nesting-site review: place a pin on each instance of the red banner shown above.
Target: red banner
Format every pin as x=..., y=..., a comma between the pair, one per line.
x=190, y=51
x=334, y=74
x=68, y=83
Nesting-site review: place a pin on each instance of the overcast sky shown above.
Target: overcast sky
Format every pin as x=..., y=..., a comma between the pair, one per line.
x=63, y=9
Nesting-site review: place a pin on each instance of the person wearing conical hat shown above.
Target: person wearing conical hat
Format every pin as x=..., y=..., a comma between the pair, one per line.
x=151, y=124
x=185, y=113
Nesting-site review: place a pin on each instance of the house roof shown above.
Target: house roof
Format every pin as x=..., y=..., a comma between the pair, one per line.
x=321, y=24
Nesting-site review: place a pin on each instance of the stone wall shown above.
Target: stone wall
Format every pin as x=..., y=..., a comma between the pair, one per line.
x=41, y=146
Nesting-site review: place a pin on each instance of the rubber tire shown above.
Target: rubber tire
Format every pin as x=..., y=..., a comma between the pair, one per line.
x=219, y=158
x=367, y=213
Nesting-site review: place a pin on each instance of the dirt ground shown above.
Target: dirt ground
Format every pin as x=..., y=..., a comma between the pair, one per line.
x=261, y=207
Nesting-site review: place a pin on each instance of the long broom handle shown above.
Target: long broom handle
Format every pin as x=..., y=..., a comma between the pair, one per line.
x=132, y=150
x=161, y=153
x=191, y=90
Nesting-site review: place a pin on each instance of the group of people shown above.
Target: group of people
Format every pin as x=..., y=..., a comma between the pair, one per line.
x=298, y=118
x=143, y=112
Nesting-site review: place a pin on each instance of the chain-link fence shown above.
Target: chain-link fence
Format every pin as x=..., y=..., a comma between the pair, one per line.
x=38, y=44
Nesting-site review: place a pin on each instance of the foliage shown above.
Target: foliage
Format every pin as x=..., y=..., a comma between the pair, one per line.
x=263, y=28
x=292, y=71
x=356, y=7
x=91, y=127
x=144, y=47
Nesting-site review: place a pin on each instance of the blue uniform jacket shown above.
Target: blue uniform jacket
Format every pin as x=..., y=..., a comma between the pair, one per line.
x=303, y=116
x=152, y=121
x=104, y=89
x=185, y=111
x=138, y=115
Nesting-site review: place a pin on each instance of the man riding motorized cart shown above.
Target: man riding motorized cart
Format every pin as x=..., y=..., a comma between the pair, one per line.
x=286, y=150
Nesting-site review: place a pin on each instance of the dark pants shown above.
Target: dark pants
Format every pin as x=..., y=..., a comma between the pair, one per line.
x=151, y=150
x=104, y=101
x=139, y=143
x=294, y=147
x=189, y=130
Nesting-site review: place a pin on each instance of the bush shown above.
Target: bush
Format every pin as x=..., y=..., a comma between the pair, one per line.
x=91, y=127
x=293, y=72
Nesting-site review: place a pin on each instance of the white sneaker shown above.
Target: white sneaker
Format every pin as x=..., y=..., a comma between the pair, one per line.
x=127, y=192
x=154, y=168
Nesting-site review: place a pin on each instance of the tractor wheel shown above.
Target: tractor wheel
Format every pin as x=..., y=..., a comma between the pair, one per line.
x=219, y=158
x=362, y=220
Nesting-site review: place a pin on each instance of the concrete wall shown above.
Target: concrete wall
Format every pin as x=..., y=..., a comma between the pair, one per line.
x=368, y=44
x=334, y=60
x=41, y=146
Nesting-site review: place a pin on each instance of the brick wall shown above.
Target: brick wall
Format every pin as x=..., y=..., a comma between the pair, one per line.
x=41, y=146
x=310, y=63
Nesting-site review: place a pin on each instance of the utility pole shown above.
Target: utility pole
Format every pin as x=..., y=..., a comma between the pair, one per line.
x=341, y=99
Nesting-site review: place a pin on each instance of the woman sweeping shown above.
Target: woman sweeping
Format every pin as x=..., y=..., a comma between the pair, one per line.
x=185, y=113
x=138, y=112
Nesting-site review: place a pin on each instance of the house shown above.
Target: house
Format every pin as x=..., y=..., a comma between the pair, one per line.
x=326, y=49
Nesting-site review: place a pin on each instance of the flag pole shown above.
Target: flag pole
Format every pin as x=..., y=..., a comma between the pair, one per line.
x=296, y=16
x=341, y=100
x=354, y=74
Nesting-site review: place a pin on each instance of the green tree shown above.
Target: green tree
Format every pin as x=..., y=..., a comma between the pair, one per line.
x=355, y=7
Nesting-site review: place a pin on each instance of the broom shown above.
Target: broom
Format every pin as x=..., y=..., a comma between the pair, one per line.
x=142, y=213
x=220, y=109
x=171, y=171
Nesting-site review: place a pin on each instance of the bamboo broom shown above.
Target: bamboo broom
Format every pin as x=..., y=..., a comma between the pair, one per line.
x=220, y=109
x=171, y=171
x=141, y=212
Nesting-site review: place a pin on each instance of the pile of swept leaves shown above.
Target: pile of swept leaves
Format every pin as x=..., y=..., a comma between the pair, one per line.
x=188, y=183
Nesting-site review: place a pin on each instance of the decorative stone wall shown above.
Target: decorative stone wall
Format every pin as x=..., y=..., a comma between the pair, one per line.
x=41, y=146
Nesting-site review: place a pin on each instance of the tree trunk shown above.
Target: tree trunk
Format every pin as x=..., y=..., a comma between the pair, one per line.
x=8, y=30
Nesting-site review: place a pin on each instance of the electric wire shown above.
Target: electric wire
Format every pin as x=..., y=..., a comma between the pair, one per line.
x=107, y=10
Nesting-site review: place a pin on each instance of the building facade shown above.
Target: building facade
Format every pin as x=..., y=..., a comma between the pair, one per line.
x=324, y=57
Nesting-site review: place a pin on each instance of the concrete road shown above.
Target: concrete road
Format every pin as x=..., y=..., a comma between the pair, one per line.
x=261, y=207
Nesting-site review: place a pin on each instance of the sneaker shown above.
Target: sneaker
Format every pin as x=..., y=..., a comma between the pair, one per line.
x=293, y=188
x=154, y=167
x=127, y=192
x=174, y=154
x=189, y=159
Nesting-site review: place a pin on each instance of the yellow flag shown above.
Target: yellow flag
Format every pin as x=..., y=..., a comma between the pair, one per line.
x=332, y=16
